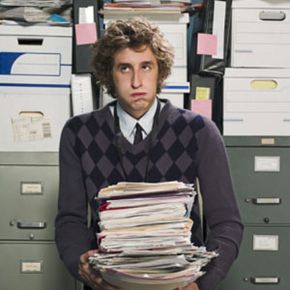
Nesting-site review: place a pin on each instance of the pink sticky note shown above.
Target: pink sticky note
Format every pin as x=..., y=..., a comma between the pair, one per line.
x=86, y=33
x=202, y=107
x=206, y=44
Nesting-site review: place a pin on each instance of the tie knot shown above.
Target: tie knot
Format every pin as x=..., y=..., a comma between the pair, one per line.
x=138, y=134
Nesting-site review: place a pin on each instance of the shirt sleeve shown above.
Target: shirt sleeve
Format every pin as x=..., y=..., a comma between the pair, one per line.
x=72, y=235
x=220, y=208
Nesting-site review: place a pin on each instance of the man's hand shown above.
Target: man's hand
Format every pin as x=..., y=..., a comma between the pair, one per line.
x=192, y=286
x=91, y=277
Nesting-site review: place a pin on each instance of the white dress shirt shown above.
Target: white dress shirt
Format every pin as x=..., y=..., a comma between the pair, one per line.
x=127, y=123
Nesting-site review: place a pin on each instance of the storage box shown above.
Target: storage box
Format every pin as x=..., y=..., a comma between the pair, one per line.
x=260, y=33
x=256, y=102
x=35, y=54
x=31, y=119
x=177, y=99
x=178, y=74
x=278, y=4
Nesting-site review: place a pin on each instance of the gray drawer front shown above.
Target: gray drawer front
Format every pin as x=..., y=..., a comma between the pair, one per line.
x=260, y=265
x=28, y=202
x=261, y=178
x=32, y=266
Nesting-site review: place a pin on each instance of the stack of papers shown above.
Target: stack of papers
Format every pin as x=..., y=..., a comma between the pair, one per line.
x=37, y=3
x=30, y=14
x=144, y=239
x=137, y=7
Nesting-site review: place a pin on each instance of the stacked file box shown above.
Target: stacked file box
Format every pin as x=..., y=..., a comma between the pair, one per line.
x=35, y=72
x=256, y=130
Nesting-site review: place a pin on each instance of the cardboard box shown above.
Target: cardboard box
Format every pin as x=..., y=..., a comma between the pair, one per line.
x=260, y=34
x=256, y=102
x=35, y=54
x=274, y=4
x=174, y=92
x=32, y=119
x=178, y=74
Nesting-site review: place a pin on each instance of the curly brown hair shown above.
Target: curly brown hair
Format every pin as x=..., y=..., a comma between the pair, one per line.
x=130, y=33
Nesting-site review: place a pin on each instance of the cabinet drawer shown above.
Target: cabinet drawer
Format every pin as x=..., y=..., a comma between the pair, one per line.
x=261, y=180
x=28, y=201
x=261, y=263
x=32, y=266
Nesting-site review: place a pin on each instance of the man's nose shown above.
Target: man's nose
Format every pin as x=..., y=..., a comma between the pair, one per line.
x=136, y=79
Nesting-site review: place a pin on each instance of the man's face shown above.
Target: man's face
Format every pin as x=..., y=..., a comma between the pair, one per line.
x=135, y=75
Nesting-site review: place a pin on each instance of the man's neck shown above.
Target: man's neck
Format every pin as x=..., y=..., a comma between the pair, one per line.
x=127, y=122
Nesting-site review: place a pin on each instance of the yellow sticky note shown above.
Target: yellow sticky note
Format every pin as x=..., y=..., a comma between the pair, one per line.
x=202, y=93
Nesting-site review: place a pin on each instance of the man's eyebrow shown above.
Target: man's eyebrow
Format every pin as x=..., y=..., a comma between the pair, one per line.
x=122, y=64
x=147, y=62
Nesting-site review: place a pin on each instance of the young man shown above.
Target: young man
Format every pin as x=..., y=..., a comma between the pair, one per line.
x=97, y=149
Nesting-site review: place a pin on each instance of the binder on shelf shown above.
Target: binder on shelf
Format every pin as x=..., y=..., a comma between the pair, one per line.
x=217, y=22
x=208, y=89
x=82, y=53
x=82, y=94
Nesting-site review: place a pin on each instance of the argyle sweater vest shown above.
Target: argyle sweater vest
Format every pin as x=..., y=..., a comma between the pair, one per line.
x=167, y=153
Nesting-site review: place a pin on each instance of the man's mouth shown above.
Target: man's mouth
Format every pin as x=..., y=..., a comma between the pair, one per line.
x=139, y=94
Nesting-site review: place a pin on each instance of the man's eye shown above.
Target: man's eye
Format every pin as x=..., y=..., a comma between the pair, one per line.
x=146, y=67
x=124, y=68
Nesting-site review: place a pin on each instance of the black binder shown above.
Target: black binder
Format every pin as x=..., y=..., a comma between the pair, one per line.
x=82, y=56
x=208, y=64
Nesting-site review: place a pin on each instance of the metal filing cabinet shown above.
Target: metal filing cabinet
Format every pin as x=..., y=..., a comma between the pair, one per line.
x=260, y=169
x=29, y=190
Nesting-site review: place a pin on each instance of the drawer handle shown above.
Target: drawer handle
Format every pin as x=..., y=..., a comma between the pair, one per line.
x=265, y=280
x=30, y=41
x=266, y=200
x=234, y=120
x=31, y=225
x=272, y=15
x=264, y=84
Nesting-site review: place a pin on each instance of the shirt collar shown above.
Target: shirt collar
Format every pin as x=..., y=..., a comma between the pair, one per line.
x=128, y=123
